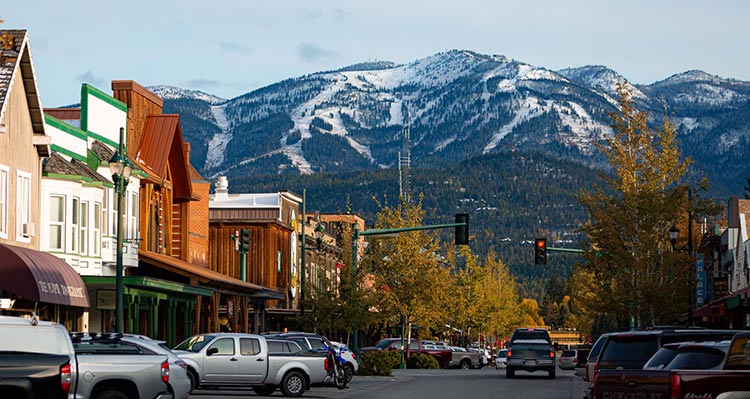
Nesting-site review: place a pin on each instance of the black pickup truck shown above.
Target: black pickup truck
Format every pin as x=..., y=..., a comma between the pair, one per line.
x=43, y=376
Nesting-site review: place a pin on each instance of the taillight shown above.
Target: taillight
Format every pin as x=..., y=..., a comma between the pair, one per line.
x=509, y=354
x=552, y=355
x=165, y=371
x=354, y=356
x=181, y=363
x=65, y=378
x=575, y=360
x=674, y=386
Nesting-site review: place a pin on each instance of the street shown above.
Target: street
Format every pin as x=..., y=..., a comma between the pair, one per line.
x=448, y=384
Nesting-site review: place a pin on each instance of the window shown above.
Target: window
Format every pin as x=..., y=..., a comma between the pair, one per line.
x=316, y=344
x=97, y=249
x=224, y=346
x=133, y=217
x=23, y=203
x=56, y=222
x=105, y=214
x=84, y=227
x=74, y=220
x=249, y=346
x=4, y=201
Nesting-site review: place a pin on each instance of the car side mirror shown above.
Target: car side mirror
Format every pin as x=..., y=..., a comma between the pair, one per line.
x=212, y=351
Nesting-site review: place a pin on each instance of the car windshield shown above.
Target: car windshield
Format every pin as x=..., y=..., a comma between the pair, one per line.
x=527, y=348
x=569, y=353
x=194, y=344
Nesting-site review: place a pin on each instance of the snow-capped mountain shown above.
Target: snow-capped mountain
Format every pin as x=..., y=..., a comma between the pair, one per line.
x=457, y=104
x=176, y=93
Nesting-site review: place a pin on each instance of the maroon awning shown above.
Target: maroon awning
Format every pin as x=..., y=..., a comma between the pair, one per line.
x=40, y=277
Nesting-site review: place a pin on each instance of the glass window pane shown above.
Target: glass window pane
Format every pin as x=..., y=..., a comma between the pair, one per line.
x=224, y=345
x=56, y=209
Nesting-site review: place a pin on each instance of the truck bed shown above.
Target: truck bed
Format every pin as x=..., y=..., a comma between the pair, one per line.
x=31, y=375
x=638, y=383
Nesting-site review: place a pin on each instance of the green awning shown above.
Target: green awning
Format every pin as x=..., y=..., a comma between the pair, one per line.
x=149, y=282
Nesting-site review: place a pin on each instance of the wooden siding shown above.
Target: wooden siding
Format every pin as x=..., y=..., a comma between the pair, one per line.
x=266, y=239
x=18, y=153
x=141, y=103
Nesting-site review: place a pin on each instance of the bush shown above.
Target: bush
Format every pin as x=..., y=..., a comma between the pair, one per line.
x=422, y=361
x=378, y=362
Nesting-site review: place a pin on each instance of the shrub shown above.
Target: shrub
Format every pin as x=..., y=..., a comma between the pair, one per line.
x=378, y=362
x=422, y=361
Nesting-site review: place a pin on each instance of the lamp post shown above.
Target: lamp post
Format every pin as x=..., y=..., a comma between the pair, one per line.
x=319, y=234
x=120, y=167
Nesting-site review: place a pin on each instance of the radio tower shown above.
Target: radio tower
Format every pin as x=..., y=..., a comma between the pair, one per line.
x=404, y=162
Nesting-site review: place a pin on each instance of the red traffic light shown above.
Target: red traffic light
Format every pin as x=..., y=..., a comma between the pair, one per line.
x=540, y=251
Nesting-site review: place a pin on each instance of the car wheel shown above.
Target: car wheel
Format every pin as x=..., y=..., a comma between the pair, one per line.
x=510, y=373
x=293, y=384
x=109, y=394
x=265, y=390
x=193, y=380
x=349, y=372
x=465, y=364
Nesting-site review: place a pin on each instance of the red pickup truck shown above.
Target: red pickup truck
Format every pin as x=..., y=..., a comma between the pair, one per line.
x=706, y=384
x=694, y=370
x=443, y=356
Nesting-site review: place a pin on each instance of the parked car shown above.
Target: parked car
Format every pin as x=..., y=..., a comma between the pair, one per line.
x=38, y=359
x=316, y=343
x=351, y=360
x=443, y=356
x=179, y=381
x=568, y=359
x=501, y=359
x=462, y=358
x=247, y=360
x=652, y=379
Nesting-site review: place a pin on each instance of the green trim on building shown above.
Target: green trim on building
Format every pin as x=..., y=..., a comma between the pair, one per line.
x=102, y=139
x=85, y=180
x=84, y=108
x=149, y=282
x=104, y=97
x=57, y=148
x=71, y=130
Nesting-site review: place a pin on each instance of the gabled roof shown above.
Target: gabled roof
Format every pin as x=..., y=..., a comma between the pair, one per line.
x=15, y=56
x=57, y=165
x=162, y=146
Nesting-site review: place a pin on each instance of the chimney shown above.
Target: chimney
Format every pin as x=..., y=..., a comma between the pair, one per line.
x=222, y=189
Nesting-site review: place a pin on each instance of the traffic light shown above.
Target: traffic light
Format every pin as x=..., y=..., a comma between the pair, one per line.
x=462, y=232
x=245, y=241
x=540, y=251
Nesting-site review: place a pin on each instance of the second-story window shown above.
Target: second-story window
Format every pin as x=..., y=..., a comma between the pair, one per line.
x=84, y=227
x=74, y=220
x=133, y=217
x=4, y=201
x=23, y=204
x=56, y=222
x=97, y=246
x=105, y=214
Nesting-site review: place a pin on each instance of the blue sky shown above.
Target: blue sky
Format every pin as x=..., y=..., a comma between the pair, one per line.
x=230, y=47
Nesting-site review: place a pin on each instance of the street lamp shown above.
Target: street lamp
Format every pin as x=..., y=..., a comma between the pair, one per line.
x=319, y=235
x=120, y=167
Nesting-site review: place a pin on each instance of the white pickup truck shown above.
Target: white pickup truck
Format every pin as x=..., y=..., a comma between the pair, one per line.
x=250, y=360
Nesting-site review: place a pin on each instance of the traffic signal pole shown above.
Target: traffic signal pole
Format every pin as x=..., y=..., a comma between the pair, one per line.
x=462, y=228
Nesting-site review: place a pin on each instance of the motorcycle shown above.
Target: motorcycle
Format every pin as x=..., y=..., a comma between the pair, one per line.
x=334, y=364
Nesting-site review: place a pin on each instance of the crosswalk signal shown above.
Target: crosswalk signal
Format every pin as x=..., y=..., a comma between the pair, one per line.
x=540, y=251
x=244, y=240
x=462, y=232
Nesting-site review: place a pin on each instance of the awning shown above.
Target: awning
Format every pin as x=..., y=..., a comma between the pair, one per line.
x=207, y=276
x=40, y=277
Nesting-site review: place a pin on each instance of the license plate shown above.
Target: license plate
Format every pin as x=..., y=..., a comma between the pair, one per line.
x=530, y=362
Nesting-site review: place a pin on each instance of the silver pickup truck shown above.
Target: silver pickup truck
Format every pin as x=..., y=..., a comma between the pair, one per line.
x=103, y=370
x=245, y=360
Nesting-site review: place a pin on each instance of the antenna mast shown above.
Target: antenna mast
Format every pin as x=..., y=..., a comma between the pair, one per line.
x=404, y=161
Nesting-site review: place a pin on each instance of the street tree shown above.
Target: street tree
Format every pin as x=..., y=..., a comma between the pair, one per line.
x=409, y=274
x=627, y=257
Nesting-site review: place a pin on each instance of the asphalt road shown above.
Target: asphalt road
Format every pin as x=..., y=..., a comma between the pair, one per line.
x=448, y=384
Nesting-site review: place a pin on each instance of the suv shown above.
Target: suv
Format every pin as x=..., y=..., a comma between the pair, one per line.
x=530, y=350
